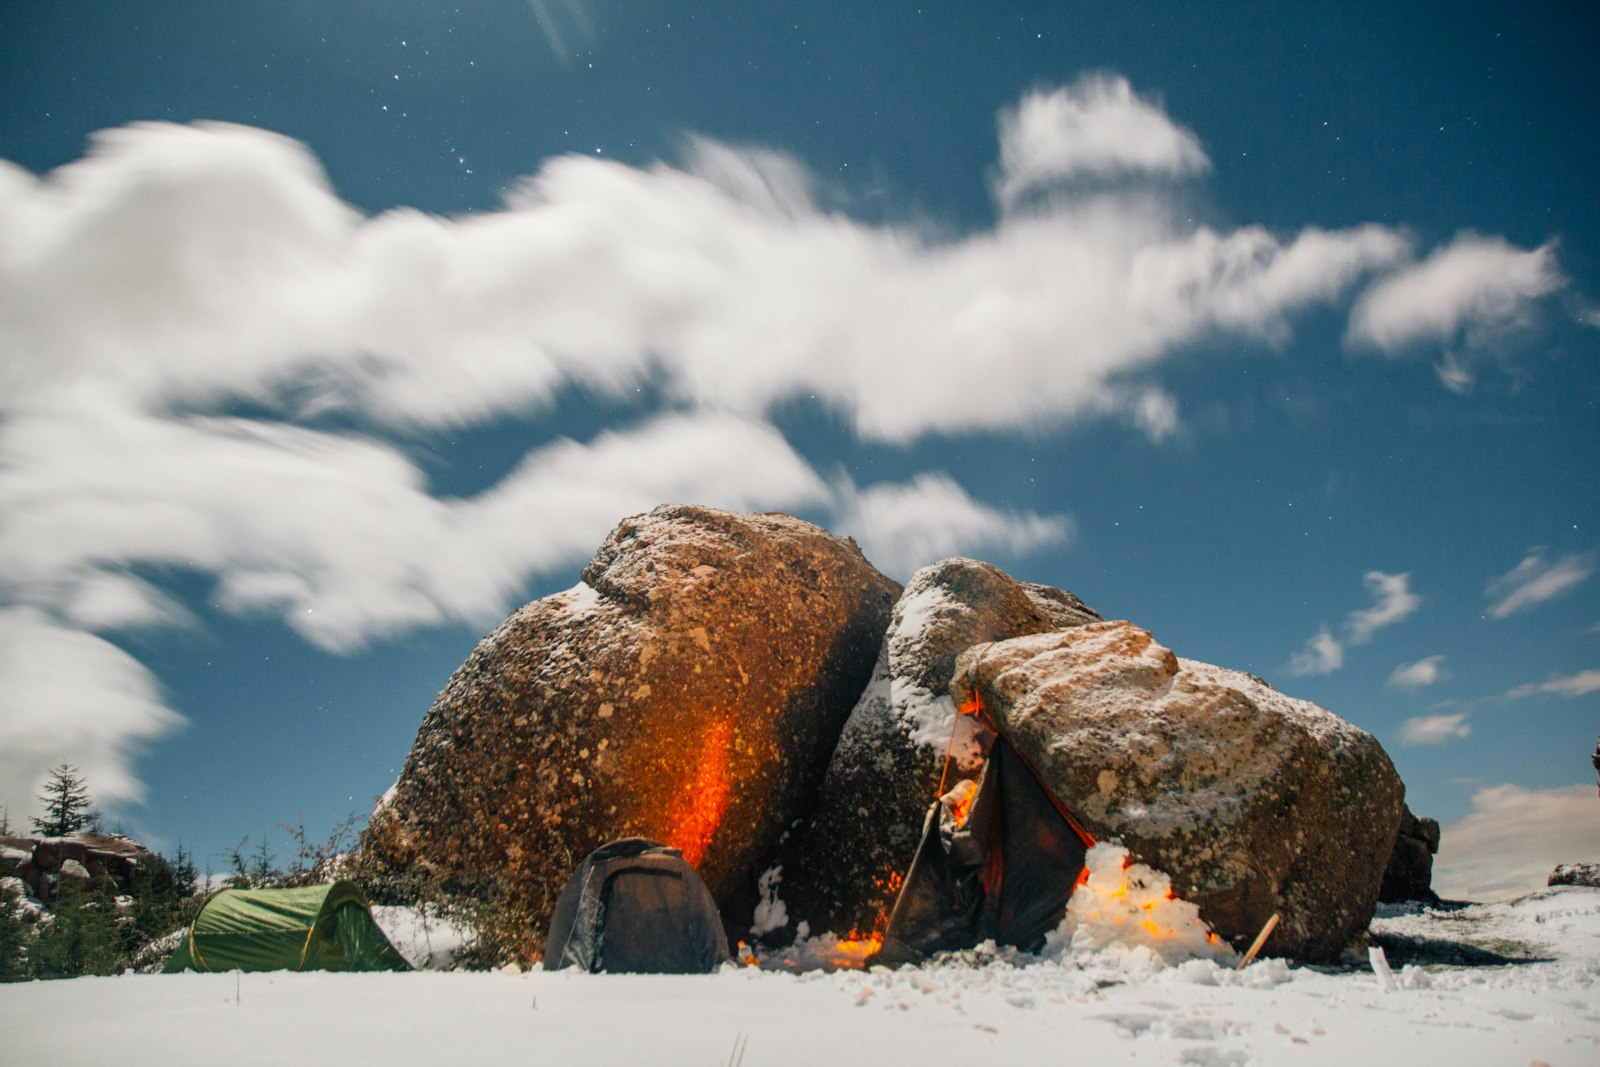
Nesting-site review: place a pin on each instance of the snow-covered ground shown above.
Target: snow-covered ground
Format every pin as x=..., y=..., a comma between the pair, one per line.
x=1089, y=1005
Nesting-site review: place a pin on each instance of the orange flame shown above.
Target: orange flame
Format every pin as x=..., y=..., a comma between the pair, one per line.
x=965, y=792
x=855, y=948
x=707, y=797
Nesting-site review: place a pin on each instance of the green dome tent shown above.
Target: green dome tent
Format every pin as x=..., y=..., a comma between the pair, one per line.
x=315, y=928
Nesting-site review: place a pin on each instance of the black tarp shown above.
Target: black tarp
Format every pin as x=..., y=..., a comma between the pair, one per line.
x=636, y=907
x=1005, y=873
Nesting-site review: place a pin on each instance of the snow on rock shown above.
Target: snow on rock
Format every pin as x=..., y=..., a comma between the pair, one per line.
x=689, y=690
x=1253, y=802
x=887, y=767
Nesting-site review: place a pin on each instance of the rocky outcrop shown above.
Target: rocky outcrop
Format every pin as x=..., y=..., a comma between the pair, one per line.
x=841, y=874
x=1409, y=875
x=689, y=690
x=1576, y=874
x=1253, y=802
x=41, y=862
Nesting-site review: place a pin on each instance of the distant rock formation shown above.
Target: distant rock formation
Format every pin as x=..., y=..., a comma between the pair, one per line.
x=689, y=690
x=40, y=863
x=887, y=767
x=1576, y=874
x=1409, y=875
x=1253, y=802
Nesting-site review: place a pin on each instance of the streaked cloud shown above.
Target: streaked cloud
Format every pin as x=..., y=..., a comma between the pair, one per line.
x=1536, y=580
x=1513, y=838
x=1393, y=601
x=905, y=526
x=1468, y=288
x=1422, y=673
x=1098, y=127
x=1570, y=686
x=1434, y=729
x=72, y=697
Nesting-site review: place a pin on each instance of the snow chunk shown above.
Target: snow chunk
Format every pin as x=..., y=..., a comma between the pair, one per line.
x=1129, y=908
x=771, y=912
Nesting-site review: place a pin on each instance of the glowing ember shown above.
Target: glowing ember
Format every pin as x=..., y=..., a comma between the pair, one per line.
x=1128, y=905
x=854, y=949
x=959, y=800
x=706, y=797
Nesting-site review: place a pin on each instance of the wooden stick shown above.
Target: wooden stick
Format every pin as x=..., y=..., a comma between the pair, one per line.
x=1261, y=939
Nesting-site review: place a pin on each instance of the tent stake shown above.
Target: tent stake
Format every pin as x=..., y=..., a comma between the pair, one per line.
x=1261, y=939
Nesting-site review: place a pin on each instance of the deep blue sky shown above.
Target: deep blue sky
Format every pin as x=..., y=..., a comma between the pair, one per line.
x=1300, y=460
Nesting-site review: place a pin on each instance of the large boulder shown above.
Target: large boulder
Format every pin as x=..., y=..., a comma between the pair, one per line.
x=1253, y=802
x=1409, y=875
x=843, y=871
x=689, y=690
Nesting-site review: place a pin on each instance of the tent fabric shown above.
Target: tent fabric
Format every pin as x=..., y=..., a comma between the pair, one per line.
x=636, y=907
x=312, y=928
x=1006, y=872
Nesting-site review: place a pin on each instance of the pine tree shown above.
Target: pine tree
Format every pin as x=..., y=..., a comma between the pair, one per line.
x=184, y=872
x=13, y=938
x=66, y=803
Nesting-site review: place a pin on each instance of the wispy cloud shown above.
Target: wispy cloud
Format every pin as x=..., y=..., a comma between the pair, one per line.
x=1422, y=673
x=1098, y=127
x=906, y=526
x=1470, y=287
x=1536, y=580
x=1434, y=729
x=565, y=25
x=72, y=697
x=1513, y=838
x=1323, y=654
x=1393, y=601
x=1571, y=686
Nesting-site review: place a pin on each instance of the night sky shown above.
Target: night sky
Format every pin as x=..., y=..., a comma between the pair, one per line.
x=1271, y=328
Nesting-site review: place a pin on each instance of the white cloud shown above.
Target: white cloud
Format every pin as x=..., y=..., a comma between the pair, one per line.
x=72, y=697
x=1434, y=729
x=1393, y=601
x=1422, y=673
x=1322, y=654
x=1454, y=375
x=1571, y=686
x=196, y=265
x=1513, y=838
x=1471, y=286
x=1536, y=579
x=1098, y=127
x=338, y=535
x=902, y=527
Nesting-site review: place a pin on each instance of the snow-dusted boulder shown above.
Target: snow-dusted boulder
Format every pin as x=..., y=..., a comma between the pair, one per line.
x=689, y=690
x=40, y=862
x=886, y=770
x=1253, y=802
